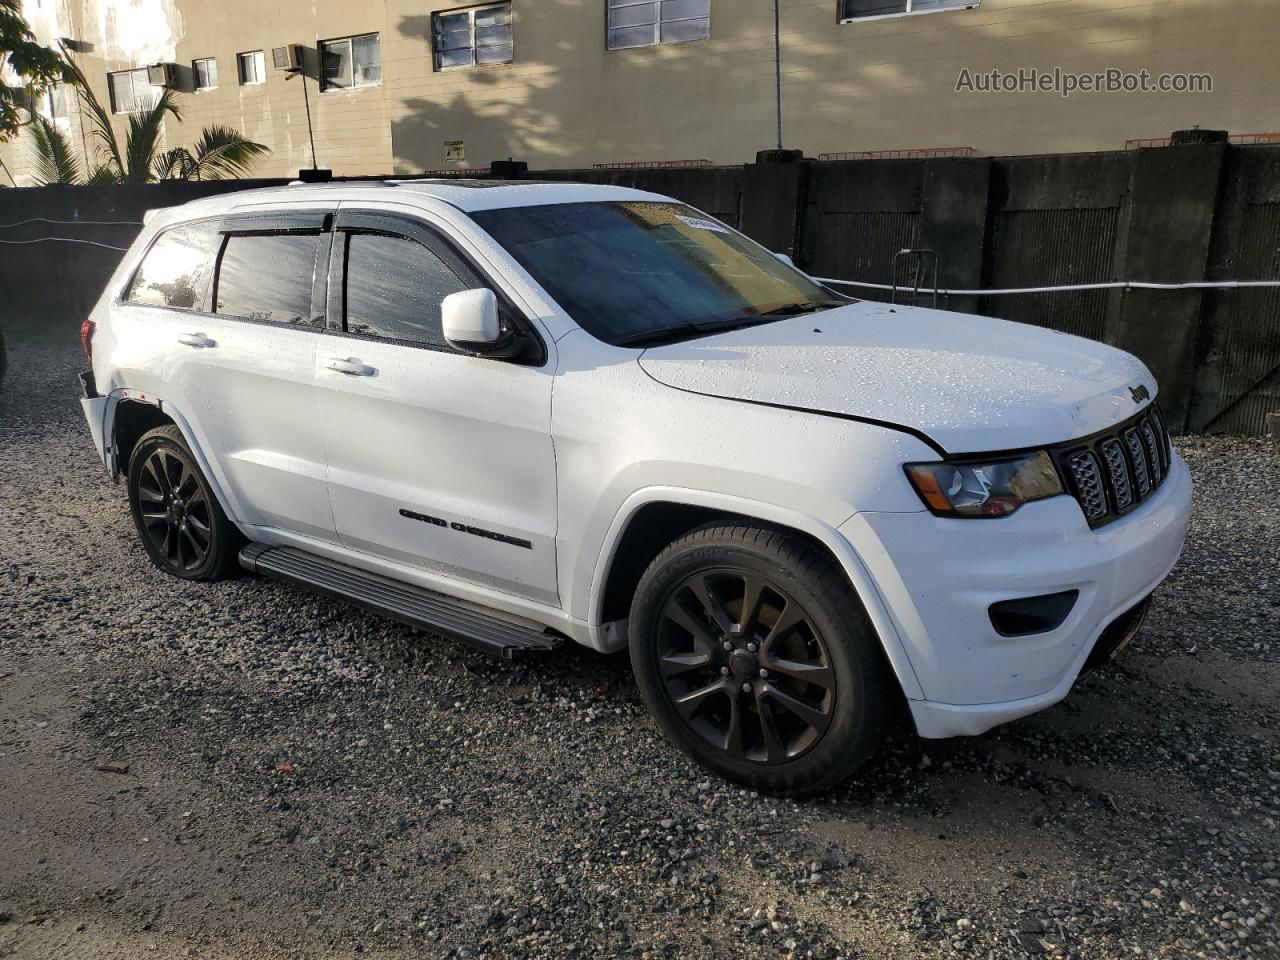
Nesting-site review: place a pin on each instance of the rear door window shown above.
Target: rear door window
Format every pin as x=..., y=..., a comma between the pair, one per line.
x=394, y=288
x=175, y=271
x=268, y=278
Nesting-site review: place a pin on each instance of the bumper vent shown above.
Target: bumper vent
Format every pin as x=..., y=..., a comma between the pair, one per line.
x=1113, y=472
x=1031, y=615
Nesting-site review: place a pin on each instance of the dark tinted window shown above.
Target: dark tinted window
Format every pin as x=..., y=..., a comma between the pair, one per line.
x=175, y=271
x=395, y=287
x=268, y=277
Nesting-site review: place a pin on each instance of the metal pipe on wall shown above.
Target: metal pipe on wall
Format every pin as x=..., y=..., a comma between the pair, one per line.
x=777, y=67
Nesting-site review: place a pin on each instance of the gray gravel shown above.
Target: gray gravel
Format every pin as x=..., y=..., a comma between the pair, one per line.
x=243, y=769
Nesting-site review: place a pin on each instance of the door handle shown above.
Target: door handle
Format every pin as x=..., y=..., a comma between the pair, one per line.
x=198, y=340
x=351, y=366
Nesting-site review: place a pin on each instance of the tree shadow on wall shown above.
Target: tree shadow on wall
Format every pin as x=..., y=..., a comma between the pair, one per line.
x=555, y=106
x=471, y=109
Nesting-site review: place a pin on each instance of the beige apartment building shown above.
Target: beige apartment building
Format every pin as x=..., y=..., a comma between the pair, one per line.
x=404, y=86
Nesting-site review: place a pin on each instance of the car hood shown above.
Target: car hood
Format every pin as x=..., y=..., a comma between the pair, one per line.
x=971, y=384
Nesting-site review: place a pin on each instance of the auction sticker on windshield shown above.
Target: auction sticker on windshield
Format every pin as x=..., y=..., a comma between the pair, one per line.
x=702, y=224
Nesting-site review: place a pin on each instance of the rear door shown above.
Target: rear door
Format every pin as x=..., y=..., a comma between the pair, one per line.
x=247, y=367
x=436, y=458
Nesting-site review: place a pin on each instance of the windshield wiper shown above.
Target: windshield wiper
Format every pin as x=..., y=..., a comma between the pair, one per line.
x=795, y=309
x=699, y=328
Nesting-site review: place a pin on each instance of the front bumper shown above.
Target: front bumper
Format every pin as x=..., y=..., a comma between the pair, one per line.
x=938, y=577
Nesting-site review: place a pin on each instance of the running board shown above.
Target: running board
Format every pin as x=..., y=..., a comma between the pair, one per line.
x=415, y=606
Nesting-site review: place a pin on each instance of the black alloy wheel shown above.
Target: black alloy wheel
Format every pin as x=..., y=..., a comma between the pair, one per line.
x=755, y=656
x=175, y=510
x=182, y=526
x=745, y=667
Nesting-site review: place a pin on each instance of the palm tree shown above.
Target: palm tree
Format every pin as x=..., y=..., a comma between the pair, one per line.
x=36, y=67
x=55, y=161
x=220, y=153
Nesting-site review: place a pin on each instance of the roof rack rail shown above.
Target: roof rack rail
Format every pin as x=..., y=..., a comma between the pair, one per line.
x=377, y=181
x=394, y=179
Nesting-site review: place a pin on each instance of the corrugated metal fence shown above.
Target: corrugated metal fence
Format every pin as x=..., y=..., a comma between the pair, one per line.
x=1170, y=214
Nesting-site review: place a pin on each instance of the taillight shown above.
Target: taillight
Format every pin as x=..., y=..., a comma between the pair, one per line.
x=86, y=338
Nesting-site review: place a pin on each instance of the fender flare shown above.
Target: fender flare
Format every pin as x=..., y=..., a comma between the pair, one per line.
x=213, y=476
x=846, y=556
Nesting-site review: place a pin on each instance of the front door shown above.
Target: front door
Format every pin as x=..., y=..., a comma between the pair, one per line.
x=436, y=459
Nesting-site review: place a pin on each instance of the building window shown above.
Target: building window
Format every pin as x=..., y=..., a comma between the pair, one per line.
x=866, y=9
x=643, y=23
x=253, y=67
x=205, y=73
x=350, y=62
x=465, y=38
x=51, y=103
x=131, y=92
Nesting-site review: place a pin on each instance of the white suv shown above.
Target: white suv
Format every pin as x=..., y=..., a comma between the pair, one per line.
x=516, y=413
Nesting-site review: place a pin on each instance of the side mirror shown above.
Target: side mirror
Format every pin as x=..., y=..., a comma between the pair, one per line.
x=470, y=321
x=792, y=264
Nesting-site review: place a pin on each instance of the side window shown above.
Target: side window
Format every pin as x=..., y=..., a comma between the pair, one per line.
x=394, y=288
x=267, y=277
x=175, y=271
x=851, y=10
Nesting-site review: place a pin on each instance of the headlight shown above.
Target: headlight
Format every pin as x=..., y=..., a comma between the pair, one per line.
x=976, y=489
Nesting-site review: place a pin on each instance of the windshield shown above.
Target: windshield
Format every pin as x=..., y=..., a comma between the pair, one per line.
x=640, y=272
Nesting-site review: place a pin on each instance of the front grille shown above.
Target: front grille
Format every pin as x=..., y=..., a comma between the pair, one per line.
x=1111, y=473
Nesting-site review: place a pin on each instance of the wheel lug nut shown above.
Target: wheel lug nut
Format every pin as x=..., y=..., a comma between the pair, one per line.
x=764, y=673
x=751, y=647
x=746, y=688
x=724, y=671
x=728, y=645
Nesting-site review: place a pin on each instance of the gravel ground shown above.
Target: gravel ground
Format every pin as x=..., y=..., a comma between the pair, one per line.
x=243, y=769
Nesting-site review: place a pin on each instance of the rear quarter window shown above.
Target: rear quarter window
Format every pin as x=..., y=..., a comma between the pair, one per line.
x=175, y=271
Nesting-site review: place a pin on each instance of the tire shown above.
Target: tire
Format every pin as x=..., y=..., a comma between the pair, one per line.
x=179, y=520
x=802, y=697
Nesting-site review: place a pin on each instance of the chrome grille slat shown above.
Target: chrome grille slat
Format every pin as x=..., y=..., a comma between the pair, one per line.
x=1112, y=473
x=1162, y=438
x=1153, y=451
x=1088, y=480
x=1118, y=471
x=1139, y=458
